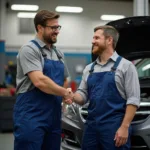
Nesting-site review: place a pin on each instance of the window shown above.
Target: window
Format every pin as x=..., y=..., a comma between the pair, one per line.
x=143, y=67
x=26, y=26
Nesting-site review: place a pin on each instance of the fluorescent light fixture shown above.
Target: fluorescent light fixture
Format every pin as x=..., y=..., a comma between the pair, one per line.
x=146, y=67
x=111, y=17
x=25, y=7
x=26, y=15
x=69, y=9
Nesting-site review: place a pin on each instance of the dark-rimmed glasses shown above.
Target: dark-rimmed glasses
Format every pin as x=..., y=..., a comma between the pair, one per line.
x=54, y=28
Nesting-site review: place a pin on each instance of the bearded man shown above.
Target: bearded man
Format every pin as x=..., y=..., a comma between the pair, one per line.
x=111, y=86
x=41, y=74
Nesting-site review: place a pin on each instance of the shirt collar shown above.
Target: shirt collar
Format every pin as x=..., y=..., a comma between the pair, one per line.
x=113, y=57
x=40, y=42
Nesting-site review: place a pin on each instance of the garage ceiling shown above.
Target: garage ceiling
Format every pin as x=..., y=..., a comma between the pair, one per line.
x=113, y=0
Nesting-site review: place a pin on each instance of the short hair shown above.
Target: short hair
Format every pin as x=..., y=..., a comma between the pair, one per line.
x=43, y=16
x=109, y=31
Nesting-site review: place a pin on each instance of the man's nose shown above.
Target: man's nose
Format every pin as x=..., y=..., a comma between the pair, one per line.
x=56, y=31
x=93, y=41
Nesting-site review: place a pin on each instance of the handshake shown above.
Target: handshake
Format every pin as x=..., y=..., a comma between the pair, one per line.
x=69, y=96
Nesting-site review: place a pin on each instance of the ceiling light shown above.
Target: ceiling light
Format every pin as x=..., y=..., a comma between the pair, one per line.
x=25, y=7
x=111, y=17
x=69, y=9
x=26, y=15
x=146, y=67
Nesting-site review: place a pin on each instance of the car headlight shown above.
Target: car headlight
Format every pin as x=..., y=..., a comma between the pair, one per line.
x=70, y=111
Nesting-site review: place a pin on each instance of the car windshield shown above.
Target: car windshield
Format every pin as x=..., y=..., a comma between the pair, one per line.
x=143, y=68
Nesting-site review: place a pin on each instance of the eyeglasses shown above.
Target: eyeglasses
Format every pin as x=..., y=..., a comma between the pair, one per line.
x=54, y=28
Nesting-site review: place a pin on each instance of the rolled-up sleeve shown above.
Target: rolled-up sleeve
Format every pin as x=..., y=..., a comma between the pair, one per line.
x=132, y=86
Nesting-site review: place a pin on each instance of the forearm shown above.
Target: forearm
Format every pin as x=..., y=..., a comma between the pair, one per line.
x=66, y=83
x=78, y=99
x=129, y=115
x=48, y=86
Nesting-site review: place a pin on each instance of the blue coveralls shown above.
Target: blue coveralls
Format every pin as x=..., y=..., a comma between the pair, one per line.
x=105, y=112
x=37, y=115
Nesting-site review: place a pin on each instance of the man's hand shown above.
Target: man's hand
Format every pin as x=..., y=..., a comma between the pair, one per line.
x=68, y=98
x=121, y=136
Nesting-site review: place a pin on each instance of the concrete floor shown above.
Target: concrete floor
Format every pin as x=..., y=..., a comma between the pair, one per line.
x=6, y=141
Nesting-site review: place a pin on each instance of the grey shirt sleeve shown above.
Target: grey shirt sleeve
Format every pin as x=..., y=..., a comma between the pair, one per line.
x=132, y=86
x=82, y=90
x=30, y=60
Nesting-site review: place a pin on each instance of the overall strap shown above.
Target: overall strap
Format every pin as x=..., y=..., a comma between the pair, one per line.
x=37, y=44
x=116, y=63
x=58, y=55
x=44, y=54
x=92, y=67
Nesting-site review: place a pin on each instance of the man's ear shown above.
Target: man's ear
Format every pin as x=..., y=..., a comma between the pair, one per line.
x=110, y=40
x=40, y=28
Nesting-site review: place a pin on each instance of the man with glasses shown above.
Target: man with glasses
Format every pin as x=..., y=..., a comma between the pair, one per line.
x=41, y=74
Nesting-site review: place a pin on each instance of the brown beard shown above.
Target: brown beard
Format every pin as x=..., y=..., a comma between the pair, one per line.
x=99, y=50
x=49, y=40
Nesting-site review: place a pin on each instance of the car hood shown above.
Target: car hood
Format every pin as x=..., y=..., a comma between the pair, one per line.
x=134, y=40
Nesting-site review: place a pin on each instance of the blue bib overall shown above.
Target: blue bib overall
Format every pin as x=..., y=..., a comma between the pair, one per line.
x=105, y=112
x=37, y=115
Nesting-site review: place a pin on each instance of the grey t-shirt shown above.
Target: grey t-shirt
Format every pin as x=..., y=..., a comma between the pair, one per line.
x=126, y=79
x=30, y=59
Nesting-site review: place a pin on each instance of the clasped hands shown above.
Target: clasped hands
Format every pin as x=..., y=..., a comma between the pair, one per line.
x=69, y=96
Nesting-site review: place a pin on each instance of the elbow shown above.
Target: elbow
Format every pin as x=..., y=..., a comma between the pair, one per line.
x=38, y=79
x=41, y=83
